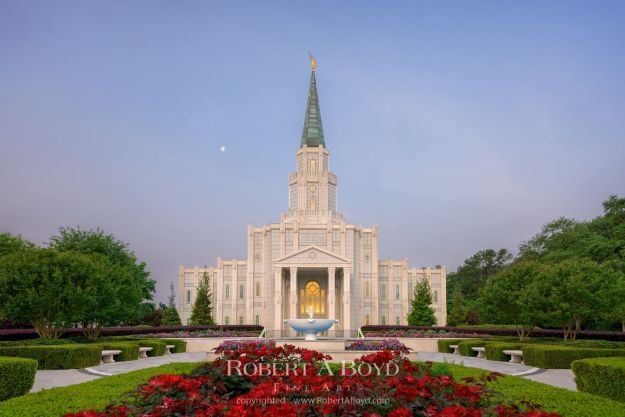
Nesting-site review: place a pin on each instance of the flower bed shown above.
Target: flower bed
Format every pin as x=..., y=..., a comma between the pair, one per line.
x=389, y=344
x=289, y=381
x=425, y=334
x=205, y=333
x=244, y=344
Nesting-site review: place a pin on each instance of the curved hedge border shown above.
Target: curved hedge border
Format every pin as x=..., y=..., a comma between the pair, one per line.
x=561, y=357
x=57, y=356
x=20, y=334
x=604, y=377
x=17, y=376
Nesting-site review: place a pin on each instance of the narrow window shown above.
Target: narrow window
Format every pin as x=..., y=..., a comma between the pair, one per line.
x=436, y=296
x=397, y=292
x=367, y=290
x=383, y=291
x=257, y=289
x=188, y=296
x=241, y=291
x=241, y=320
x=257, y=320
x=383, y=320
x=227, y=320
x=227, y=295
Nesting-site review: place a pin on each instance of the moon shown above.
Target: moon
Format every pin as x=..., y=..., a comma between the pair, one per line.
x=222, y=148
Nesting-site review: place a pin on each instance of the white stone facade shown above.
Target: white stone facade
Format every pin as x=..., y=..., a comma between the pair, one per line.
x=312, y=258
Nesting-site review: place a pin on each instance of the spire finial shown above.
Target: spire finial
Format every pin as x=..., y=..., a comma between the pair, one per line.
x=313, y=61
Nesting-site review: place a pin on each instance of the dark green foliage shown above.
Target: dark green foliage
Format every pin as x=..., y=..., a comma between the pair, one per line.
x=157, y=345
x=17, y=376
x=458, y=313
x=421, y=312
x=561, y=357
x=464, y=346
x=170, y=314
x=443, y=344
x=604, y=377
x=202, y=313
x=57, y=356
x=181, y=345
x=130, y=350
x=10, y=244
x=472, y=275
x=494, y=350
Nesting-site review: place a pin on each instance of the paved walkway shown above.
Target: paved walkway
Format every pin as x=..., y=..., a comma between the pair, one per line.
x=49, y=379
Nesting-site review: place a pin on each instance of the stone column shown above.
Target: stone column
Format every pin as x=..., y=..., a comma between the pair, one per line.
x=347, y=298
x=278, y=297
x=331, y=295
x=293, y=295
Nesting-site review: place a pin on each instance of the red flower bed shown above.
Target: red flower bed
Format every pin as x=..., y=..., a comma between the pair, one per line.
x=286, y=381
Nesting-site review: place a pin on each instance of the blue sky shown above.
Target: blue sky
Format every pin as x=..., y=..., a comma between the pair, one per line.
x=453, y=126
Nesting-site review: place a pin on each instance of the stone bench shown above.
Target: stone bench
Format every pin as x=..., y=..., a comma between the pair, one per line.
x=168, y=349
x=481, y=351
x=143, y=352
x=107, y=355
x=516, y=356
x=455, y=348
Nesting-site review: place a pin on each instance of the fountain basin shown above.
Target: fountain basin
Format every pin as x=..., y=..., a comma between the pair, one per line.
x=310, y=327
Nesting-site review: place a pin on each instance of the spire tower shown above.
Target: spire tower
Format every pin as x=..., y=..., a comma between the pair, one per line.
x=312, y=134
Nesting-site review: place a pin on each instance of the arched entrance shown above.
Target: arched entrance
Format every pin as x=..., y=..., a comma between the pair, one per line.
x=313, y=296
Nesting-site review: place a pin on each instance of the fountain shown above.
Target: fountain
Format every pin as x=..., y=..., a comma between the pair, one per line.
x=310, y=326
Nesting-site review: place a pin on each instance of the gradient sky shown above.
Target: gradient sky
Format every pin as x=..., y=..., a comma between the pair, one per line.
x=453, y=126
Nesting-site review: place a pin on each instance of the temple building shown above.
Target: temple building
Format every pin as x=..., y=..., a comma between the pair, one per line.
x=312, y=258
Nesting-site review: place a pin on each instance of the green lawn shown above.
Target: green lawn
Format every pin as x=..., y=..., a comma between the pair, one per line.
x=553, y=399
x=96, y=394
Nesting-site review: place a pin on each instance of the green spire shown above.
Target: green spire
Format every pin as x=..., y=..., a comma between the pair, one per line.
x=312, y=135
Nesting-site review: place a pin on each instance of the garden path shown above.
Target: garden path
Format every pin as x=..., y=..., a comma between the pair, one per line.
x=58, y=378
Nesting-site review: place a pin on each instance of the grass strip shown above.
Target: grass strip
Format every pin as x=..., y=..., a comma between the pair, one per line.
x=95, y=394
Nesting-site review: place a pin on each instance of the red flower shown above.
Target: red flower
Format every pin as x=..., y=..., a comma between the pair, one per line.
x=400, y=412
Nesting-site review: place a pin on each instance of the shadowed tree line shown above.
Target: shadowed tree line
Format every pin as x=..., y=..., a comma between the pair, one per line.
x=570, y=275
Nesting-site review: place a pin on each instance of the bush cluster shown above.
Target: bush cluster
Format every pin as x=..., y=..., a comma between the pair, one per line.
x=57, y=356
x=17, y=376
x=561, y=357
x=604, y=377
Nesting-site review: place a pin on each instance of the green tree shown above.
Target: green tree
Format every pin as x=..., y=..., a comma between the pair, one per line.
x=476, y=270
x=458, y=313
x=505, y=299
x=421, y=312
x=170, y=314
x=46, y=288
x=10, y=244
x=202, y=313
x=116, y=297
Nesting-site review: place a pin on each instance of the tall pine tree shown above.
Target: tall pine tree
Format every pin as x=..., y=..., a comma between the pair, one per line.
x=458, y=314
x=421, y=314
x=203, y=307
x=170, y=314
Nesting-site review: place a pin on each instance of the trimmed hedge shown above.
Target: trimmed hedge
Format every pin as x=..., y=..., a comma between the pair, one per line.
x=181, y=345
x=19, y=334
x=158, y=346
x=604, y=377
x=443, y=344
x=57, y=356
x=130, y=350
x=494, y=350
x=17, y=376
x=464, y=346
x=561, y=357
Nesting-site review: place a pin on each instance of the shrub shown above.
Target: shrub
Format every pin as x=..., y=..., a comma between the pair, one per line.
x=57, y=356
x=181, y=345
x=560, y=357
x=157, y=345
x=464, y=346
x=443, y=344
x=17, y=376
x=494, y=350
x=130, y=350
x=604, y=377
